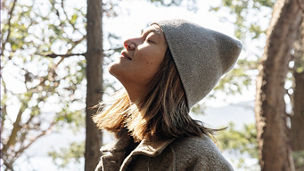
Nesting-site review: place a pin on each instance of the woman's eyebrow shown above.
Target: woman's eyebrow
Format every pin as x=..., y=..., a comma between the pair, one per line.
x=157, y=32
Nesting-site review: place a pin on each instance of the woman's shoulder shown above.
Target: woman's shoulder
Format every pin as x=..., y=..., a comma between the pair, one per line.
x=195, y=143
x=202, y=151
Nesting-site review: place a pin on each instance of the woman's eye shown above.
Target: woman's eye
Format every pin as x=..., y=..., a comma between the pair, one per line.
x=150, y=41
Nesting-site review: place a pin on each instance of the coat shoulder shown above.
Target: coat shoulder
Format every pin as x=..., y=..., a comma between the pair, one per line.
x=195, y=145
x=200, y=153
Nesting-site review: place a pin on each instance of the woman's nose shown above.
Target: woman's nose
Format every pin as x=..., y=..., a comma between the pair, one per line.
x=130, y=44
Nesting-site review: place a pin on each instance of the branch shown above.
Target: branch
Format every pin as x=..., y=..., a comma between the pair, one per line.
x=44, y=132
x=26, y=129
x=67, y=18
x=54, y=55
x=16, y=127
x=43, y=79
x=68, y=54
x=3, y=108
x=63, y=56
x=7, y=164
x=26, y=75
x=113, y=49
x=76, y=43
x=9, y=27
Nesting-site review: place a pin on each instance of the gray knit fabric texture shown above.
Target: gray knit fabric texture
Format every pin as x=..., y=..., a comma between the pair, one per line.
x=201, y=56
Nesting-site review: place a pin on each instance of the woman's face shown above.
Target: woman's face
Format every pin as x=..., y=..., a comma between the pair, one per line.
x=140, y=58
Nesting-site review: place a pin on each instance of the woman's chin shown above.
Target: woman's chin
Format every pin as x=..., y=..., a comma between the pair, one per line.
x=111, y=68
x=114, y=69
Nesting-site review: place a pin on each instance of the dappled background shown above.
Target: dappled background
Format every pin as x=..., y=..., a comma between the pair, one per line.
x=47, y=47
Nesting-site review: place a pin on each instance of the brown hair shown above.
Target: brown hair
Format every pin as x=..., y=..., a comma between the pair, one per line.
x=162, y=113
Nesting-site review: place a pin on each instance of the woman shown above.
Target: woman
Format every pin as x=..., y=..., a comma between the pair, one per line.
x=165, y=71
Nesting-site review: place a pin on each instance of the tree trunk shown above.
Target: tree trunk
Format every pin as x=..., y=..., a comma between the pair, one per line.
x=297, y=119
x=94, y=58
x=274, y=150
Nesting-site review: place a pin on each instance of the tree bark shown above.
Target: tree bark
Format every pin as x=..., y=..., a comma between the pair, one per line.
x=94, y=58
x=297, y=119
x=274, y=150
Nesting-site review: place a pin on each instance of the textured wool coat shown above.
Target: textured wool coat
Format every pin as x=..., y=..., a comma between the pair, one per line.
x=187, y=153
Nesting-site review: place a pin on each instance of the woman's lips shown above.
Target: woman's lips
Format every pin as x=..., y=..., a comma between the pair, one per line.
x=124, y=54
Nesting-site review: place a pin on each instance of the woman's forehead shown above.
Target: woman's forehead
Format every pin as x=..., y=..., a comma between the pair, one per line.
x=154, y=28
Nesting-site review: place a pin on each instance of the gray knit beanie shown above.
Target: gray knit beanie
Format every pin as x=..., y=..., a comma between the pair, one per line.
x=201, y=56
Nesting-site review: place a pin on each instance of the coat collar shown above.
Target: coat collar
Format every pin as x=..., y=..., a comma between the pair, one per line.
x=151, y=148
x=147, y=148
x=114, y=153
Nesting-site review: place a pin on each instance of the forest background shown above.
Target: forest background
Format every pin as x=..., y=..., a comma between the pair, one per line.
x=54, y=58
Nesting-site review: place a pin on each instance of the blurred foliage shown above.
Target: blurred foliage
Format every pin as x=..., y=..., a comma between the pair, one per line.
x=191, y=4
x=242, y=76
x=36, y=30
x=197, y=109
x=43, y=73
x=240, y=143
x=249, y=18
x=39, y=93
x=65, y=156
x=234, y=82
x=241, y=11
x=298, y=157
x=298, y=54
x=246, y=17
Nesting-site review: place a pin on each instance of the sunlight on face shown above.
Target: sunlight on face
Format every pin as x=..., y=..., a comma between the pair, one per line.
x=140, y=58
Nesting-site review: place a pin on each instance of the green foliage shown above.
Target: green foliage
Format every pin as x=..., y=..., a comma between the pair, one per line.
x=246, y=16
x=234, y=82
x=198, y=109
x=50, y=88
x=248, y=19
x=300, y=68
x=65, y=156
x=257, y=30
x=243, y=141
x=298, y=158
x=191, y=4
x=39, y=29
x=74, y=18
x=239, y=142
x=241, y=11
x=36, y=87
x=298, y=55
x=75, y=119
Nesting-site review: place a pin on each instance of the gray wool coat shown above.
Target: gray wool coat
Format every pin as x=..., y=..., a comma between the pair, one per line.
x=186, y=153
